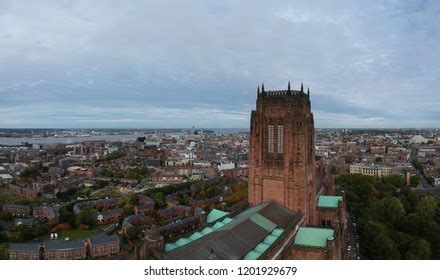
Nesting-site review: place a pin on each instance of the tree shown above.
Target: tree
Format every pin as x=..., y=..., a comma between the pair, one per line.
x=395, y=180
x=427, y=207
x=159, y=199
x=67, y=216
x=131, y=233
x=419, y=250
x=394, y=209
x=128, y=209
x=85, y=217
x=411, y=224
x=414, y=181
x=30, y=172
x=41, y=230
x=24, y=233
x=6, y=216
x=383, y=248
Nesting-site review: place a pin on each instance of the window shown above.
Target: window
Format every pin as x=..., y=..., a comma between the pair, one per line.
x=270, y=140
x=280, y=139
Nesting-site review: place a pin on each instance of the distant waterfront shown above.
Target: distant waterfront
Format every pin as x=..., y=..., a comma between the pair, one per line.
x=15, y=141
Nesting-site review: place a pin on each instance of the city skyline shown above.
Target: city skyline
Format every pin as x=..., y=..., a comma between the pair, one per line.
x=95, y=65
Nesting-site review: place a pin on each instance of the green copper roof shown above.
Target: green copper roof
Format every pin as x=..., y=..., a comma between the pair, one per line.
x=207, y=230
x=270, y=239
x=326, y=201
x=183, y=241
x=214, y=215
x=218, y=225
x=169, y=247
x=196, y=235
x=263, y=246
x=252, y=255
x=277, y=232
x=313, y=237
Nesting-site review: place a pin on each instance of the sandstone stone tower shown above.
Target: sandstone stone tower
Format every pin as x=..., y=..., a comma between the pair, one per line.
x=282, y=152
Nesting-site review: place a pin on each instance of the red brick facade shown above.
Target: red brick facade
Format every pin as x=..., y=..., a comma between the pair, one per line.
x=282, y=157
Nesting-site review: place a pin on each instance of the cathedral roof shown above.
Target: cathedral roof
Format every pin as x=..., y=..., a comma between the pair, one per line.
x=327, y=201
x=313, y=237
x=247, y=235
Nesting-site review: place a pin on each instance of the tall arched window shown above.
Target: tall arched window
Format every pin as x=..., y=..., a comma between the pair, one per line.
x=270, y=139
x=280, y=131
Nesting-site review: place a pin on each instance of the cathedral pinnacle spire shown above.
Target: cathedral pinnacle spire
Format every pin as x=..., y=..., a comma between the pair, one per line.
x=258, y=90
x=308, y=91
x=288, y=86
x=262, y=87
x=302, y=87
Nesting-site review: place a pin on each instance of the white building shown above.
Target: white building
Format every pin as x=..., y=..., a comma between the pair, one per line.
x=372, y=170
x=226, y=166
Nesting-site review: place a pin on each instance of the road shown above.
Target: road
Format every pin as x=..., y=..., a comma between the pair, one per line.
x=353, y=252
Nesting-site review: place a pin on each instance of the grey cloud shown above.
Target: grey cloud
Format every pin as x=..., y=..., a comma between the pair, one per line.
x=363, y=60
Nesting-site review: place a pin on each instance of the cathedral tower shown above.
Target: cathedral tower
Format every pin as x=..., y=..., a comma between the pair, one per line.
x=282, y=151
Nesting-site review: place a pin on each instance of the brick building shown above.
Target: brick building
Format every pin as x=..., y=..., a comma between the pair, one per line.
x=50, y=214
x=24, y=251
x=103, y=246
x=17, y=210
x=282, y=151
x=65, y=250
x=93, y=247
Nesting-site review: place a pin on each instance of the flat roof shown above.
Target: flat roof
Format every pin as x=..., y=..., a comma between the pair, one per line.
x=327, y=201
x=313, y=237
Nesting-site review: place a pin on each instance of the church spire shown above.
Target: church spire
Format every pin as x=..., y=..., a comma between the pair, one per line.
x=262, y=87
x=258, y=90
x=302, y=88
x=308, y=91
x=288, y=86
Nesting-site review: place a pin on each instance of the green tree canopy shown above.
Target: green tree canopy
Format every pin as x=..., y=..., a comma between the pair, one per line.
x=394, y=209
x=427, y=207
x=419, y=250
x=383, y=248
x=85, y=217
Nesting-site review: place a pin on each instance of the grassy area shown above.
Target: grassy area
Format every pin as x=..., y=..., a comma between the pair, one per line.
x=4, y=247
x=77, y=233
x=9, y=197
x=107, y=191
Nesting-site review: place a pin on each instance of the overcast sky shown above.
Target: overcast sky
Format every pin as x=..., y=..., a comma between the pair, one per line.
x=148, y=64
